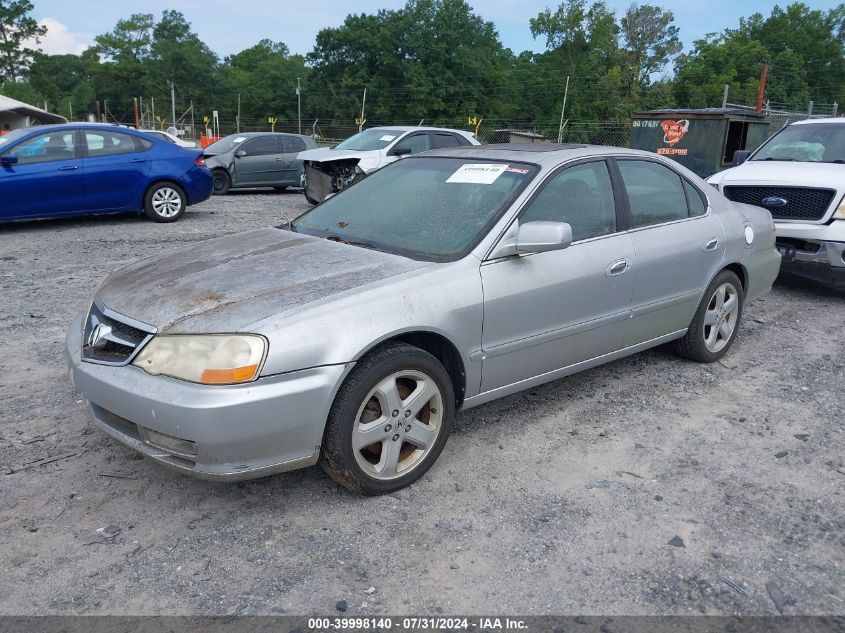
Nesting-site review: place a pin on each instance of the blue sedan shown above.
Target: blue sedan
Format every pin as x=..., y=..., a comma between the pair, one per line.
x=81, y=169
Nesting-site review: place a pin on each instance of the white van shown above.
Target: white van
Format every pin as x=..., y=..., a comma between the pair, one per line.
x=798, y=175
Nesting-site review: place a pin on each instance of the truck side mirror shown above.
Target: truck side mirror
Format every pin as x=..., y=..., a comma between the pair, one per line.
x=740, y=156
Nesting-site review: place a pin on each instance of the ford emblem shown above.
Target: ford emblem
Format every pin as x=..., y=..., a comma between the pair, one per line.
x=775, y=201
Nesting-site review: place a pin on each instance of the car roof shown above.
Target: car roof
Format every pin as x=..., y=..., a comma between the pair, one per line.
x=543, y=154
x=253, y=134
x=420, y=128
x=839, y=119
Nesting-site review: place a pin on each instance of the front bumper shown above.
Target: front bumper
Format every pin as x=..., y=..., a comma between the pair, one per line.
x=232, y=432
x=813, y=251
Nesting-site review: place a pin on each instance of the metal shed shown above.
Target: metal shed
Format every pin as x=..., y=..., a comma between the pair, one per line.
x=15, y=114
x=703, y=140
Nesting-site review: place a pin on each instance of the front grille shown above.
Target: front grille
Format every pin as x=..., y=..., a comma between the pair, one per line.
x=802, y=203
x=111, y=338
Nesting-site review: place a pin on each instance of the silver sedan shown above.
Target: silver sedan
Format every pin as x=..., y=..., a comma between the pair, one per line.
x=351, y=336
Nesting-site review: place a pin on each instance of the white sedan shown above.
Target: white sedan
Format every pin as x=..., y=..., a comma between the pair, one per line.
x=170, y=138
x=328, y=170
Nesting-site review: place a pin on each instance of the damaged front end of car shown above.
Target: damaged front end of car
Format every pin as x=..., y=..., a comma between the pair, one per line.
x=321, y=179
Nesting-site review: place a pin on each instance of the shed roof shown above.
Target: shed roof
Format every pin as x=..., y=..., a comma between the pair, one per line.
x=8, y=104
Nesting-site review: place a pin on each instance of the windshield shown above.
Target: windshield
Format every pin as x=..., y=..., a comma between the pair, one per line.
x=11, y=137
x=225, y=144
x=372, y=139
x=810, y=143
x=428, y=208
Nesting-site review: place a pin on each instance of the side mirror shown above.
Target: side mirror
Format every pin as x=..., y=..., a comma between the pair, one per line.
x=8, y=159
x=401, y=151
x=240, y=153
x=542, y=236
x=740, y=156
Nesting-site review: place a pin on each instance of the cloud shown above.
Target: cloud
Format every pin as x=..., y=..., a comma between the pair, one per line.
x=59, y=40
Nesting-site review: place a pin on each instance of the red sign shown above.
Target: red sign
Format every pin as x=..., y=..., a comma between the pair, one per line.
x=674, y=131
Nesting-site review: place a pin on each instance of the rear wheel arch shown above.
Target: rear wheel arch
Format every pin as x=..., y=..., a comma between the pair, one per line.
x=740, y=271
x=158, y=181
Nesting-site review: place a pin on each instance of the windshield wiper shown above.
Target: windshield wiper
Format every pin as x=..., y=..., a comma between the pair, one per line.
x=837, y=161
x=337, y=238
x=778, y=158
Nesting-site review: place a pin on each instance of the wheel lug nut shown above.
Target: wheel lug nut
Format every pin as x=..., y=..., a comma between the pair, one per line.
x=408, y=429
x=388, y=428
x=395, y=437
x=395, y=413
x=407, y=414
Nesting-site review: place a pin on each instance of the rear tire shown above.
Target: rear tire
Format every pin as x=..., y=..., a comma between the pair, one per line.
x=222, y=182
x=389, y=421
x=165, y=202
x=716, y=322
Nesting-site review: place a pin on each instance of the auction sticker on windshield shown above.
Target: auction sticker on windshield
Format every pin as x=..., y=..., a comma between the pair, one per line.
x=387, y=137
x=477, y=173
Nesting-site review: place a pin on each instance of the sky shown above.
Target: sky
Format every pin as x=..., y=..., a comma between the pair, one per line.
x=72, y=26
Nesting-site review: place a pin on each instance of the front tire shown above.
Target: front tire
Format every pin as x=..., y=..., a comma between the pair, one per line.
x=222, y=182
x=389, y=422
x=165, y=202
x=716, y=322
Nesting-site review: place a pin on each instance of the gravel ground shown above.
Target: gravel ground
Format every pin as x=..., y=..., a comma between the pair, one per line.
x=650, y=485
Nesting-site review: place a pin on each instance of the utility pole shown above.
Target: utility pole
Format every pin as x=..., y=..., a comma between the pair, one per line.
x=98, y=110
x=761, y=88
x=70, y=107
x=105, y=111
x=153, y=105
x=299, y=104
x=136, y=113
x=238, y=118
x=173, y=102
x=193, y=129
x=363, y=103
x=562, y=110
x=725, y=97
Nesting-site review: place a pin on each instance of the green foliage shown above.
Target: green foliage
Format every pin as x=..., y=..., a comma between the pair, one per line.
x=436, y=61
x=16, y=27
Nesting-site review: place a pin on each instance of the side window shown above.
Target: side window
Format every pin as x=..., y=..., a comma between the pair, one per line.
x=261, y=146
x=695, y=200
x=109, y=143
x=417, y=143
x=292, y=144
x=45, y=148
x=582, y=196
x=655, y=192
x=143, y=144
x=443, y=139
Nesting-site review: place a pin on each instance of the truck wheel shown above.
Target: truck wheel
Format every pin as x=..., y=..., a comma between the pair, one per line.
x=165, y=202
x=222, y=182
x=389, y=421
x=716, y=322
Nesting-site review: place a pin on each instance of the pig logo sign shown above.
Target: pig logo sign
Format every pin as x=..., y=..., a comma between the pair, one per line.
x=673, y=131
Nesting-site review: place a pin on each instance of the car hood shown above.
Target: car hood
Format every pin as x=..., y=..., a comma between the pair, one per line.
x=325, y=154
x=229, y=283
x=782, y=173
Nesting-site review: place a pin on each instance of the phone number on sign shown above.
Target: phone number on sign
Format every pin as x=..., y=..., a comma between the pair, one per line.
x=410, y=624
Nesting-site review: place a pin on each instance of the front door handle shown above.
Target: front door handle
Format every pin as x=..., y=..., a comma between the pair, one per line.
x=68, y=167
x=617, y=268
x=138, y=160
x=711, y=245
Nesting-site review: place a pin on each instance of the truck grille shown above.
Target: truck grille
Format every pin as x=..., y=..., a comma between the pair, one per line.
x=110, y=338
x=802, y=203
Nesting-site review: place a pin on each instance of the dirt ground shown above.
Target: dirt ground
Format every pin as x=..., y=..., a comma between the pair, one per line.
x=650, y=485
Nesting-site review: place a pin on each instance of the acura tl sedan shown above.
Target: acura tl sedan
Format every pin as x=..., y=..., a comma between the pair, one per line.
x=351, y=336
x=72, y=169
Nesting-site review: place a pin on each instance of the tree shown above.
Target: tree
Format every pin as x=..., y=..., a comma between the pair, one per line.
x=16, y=28
x=650, y=39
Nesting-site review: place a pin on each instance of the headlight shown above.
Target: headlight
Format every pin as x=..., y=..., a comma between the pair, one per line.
x=839, y=214
x=211, y=359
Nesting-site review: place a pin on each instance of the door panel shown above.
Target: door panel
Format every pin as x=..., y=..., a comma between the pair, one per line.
x=262, y=166
x=47, y=180
x=115, y=171
x=677, y=248
x=550, y=310
x=291, y=146
x=547, y=311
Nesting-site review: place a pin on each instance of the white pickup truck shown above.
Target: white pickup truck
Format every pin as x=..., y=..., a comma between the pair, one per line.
x=798, y=175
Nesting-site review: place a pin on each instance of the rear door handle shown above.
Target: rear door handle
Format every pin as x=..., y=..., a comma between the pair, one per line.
x=68, y=167
x=711, y=244
x=617, y=268
x=138, y=160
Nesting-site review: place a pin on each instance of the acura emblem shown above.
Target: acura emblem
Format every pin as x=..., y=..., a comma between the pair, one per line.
x=98, y=335
x=775, y=201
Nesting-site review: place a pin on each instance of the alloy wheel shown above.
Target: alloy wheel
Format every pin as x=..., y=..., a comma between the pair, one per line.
x=720, y=318
x=166, y=202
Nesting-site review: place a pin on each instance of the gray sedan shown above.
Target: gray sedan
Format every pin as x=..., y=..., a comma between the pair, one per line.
x=256, y=159
x=351, y=336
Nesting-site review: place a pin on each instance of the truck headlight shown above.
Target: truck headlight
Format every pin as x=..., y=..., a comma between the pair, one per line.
x=839, y=214
x=209, y=359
